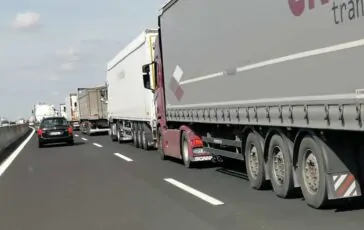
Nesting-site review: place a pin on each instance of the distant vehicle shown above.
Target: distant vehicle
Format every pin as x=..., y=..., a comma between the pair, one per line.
x=42, y=110
x=54, y=130
x=131, y=108
x=62, y=110
x=20, y=121
x=31, y=121
x=92, y=110
x=71, y=110
x=4, y=123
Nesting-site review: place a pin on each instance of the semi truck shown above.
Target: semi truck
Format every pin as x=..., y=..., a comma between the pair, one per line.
x=42, y=110
x=131, y=108
x=92, y=110
x=72, y=113
x=62, y=110
x=277, y=85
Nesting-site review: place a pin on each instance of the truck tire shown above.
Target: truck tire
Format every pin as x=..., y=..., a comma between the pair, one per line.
x=160, y=145
x=280, y=167
x=313, y=186
x=139, y=138
x=135, y=138
x=118, y=134
x=254, y=161
x=144, y=141
x=184, y=151
x=113, y=128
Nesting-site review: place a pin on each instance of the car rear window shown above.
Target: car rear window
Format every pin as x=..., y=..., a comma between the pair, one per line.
x=49, y=122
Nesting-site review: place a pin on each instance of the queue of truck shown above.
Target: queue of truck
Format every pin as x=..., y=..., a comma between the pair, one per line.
x=279, y=91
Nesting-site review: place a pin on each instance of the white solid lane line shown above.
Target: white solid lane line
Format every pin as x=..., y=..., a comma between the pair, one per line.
x=98, y=145
x=194, y=192
x=123, y=157
x=12, y=157
x=84, y=139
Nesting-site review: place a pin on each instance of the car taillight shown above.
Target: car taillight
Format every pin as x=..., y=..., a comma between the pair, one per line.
x=40, y=132
x=70, y=130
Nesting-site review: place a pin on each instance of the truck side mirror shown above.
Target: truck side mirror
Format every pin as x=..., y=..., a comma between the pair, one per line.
x=146, y=81
x=146, y=69
x=146, y=76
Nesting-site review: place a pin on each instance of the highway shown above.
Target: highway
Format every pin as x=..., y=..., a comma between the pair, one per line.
x=101, y=185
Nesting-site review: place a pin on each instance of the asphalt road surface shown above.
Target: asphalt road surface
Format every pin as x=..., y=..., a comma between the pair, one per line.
x=101, y=185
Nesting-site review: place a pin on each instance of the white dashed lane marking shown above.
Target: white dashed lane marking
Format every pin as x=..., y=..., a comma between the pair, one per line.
x=194, y=192
x=97, y=145
x=123, y=157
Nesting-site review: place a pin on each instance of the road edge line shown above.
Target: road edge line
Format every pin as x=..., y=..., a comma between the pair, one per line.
x=15, y=153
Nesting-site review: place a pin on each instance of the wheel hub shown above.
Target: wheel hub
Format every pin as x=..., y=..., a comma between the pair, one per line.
x=311, y=172
x=253, y=162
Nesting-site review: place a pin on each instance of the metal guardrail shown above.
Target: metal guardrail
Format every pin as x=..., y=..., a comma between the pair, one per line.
x=10, y=134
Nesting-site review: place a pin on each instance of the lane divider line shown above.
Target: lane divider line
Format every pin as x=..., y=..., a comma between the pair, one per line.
x=14, y=154
x=84, y=139
x=194, y=192
x=98, y=145
x=123, y=157
x=76, y=135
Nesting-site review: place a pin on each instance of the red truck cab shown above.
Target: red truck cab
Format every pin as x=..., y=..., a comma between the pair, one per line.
x=174, y=139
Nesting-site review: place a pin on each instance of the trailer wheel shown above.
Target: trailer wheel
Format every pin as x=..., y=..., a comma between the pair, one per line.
x=280, y=167
x=311, y=173
x=112, y=132
x=139, y=138
x=144, y=142
x=135, y=139
x=185, y=153
x=118, y=135
x=254, y=161
x=160, y=145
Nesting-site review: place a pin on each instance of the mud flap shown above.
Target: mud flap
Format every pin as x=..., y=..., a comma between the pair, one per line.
x=342, y=169
x=342, y=185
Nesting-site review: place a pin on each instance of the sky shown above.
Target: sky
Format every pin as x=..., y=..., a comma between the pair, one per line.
x=49, y=48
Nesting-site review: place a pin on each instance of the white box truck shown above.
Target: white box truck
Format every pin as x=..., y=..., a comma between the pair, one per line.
x=72, y=113
x=131, y=109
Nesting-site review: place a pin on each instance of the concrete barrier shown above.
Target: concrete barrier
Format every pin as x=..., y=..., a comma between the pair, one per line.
x=10, y=134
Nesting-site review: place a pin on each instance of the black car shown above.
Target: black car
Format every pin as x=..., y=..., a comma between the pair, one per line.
x=55, y=130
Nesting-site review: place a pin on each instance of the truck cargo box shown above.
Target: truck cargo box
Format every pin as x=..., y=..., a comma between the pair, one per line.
x=219, y=54
x=127, y=97
x=91, y=106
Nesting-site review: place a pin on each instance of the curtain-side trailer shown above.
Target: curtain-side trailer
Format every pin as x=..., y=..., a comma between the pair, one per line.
x=277, y=84
x=131, y=108
x=92, y=110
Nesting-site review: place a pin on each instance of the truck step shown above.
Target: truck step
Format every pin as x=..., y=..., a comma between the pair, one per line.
x=224, y=153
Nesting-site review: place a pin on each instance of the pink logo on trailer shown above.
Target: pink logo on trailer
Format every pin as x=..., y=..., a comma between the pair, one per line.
x=174, y=83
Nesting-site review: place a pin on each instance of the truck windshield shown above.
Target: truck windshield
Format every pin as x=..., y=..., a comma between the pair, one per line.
x=50, y=122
